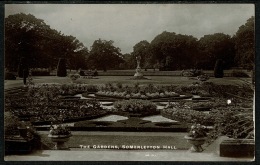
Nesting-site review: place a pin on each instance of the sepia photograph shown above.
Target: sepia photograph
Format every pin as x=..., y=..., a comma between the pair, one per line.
x=129, y=82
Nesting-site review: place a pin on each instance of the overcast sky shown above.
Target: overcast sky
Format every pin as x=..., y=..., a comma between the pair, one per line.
x=127, y=24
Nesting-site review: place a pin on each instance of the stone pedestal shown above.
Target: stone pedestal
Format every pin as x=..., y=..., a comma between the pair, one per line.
x=138, y=73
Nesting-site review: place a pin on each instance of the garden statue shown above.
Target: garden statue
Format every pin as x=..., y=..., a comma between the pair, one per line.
x=138, y=73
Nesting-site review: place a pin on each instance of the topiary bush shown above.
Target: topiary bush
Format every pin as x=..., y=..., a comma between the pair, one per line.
x=218, y=70
x=61, y=68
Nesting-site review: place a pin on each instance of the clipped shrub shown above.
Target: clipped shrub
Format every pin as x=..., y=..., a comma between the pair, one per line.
x=218, y=70
x=9, y=76
x=61, y=68
x=239, y=73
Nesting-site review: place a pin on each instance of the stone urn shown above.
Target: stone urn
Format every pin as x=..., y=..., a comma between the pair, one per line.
x=60, y=141
x=196, y=143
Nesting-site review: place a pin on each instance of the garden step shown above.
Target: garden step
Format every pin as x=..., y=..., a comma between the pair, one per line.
x=237, y=148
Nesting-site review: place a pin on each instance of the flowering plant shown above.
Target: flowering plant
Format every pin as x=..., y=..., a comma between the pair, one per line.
x=60, y=130
x=135, y=106
x=197, y=131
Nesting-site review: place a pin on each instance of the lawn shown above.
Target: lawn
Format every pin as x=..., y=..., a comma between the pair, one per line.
x=163, y=80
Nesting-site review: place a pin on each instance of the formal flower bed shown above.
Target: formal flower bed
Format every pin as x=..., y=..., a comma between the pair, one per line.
x=52, y=91
x=72, y=110
x=42, y=105
x=135, y=106
x=188, y=116
x=149, y=91
x=214, y=90
x=233, y=122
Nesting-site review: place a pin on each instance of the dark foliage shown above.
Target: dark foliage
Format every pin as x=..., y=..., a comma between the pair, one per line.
x=23, y=69
x=218, y=70
x=61, y=69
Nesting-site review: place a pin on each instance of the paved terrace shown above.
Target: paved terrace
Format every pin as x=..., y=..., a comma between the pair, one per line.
x=211, y=153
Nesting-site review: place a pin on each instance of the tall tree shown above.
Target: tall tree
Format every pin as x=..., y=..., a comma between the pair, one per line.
x=142, y=49
x=174, y=51
x=245, y=44
x=217, y=46
x=129, y=61
x=31, y=38
x=103, y=55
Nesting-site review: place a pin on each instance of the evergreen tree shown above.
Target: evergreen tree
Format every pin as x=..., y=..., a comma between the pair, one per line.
x=218, y=70
x=61, y=69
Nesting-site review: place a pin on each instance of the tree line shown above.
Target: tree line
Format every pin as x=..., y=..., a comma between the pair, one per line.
x=32, y=40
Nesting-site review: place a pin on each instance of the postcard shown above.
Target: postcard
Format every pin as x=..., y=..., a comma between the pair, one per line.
x=129, y=82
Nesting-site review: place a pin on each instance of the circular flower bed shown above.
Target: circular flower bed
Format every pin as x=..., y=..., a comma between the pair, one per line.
x=136, y=106
x=136, y=92
x=139, y=95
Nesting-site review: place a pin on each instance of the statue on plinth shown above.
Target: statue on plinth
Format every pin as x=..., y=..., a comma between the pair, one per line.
x=138, y=73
